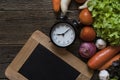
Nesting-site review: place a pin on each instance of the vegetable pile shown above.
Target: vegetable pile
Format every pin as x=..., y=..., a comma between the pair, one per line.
x=103, y=17
x=100, y=34
x=106, y=16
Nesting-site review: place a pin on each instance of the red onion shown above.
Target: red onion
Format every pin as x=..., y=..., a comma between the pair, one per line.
x=87, y=49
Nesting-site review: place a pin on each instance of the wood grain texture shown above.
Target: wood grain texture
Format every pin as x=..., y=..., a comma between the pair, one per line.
x=7, y=53
x=19, y=25
x=19, y=19
x=29, y=5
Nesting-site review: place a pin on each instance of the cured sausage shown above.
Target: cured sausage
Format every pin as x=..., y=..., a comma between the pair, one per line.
x=101, y=57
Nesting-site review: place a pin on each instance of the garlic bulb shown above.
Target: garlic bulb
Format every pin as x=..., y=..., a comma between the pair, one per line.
x=100, y=43
x=104, y=75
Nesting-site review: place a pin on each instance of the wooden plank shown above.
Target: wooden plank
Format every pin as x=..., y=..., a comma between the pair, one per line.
x=19, y=25
x=2, y=71
x=7, y=53
x=24, y=4
x=28, y=4
x=19, y=18
x=26, y=15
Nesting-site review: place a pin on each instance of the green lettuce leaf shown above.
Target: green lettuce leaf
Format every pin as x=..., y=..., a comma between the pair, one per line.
x=106, y=15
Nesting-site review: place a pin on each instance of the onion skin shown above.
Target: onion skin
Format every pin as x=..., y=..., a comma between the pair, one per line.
x=87, y=49
x=85, y=17
x=87, y=33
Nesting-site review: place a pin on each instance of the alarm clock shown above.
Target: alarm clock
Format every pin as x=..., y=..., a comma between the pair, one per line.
x=63, y=33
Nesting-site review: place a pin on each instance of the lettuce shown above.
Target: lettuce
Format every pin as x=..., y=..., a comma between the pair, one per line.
x=106, y=14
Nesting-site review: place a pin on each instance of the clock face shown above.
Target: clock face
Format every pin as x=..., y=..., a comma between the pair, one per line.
x=62, y=34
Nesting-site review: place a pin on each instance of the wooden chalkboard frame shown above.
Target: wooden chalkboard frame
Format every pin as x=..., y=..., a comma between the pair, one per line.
x=40, y=38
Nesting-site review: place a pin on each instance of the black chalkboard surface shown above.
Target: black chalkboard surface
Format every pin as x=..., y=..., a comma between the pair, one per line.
x=39, y=59
x=44, y=65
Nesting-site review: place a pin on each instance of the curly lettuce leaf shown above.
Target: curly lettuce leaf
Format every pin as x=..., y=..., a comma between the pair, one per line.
x=106, y=14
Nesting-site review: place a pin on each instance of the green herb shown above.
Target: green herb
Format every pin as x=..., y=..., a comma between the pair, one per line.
x=106, y=14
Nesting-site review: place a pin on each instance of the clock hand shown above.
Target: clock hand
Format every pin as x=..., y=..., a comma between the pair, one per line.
x=66, y=31
x=60, y=34
x=63, y=33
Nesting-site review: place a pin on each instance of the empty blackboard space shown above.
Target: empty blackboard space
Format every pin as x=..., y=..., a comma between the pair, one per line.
x=44, y=65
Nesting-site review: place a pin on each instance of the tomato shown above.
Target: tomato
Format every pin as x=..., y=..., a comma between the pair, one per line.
x=87, y=33
x=85, y=17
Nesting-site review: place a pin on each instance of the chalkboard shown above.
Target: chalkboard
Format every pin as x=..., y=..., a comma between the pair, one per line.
x=39, y=59
x=44, y=65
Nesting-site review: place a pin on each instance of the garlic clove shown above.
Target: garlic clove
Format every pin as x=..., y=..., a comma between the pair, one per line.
x=104, y=75
x=100, y=43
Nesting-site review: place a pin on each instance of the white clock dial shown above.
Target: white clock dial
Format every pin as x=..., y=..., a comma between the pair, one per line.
x=63, y=34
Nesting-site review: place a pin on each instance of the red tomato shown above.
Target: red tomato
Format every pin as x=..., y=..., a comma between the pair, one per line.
x=87, y=33
x=85, y=17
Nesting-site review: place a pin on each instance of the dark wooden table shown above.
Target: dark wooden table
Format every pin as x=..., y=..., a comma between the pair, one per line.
x=19, y=19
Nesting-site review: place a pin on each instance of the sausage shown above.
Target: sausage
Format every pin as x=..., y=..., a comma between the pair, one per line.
x=102, y=56
x=109, y=63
